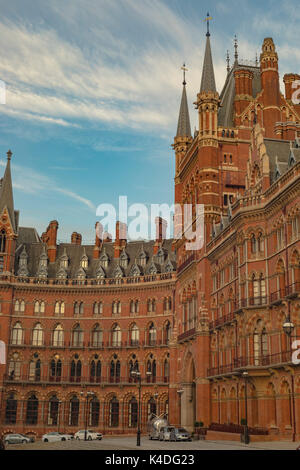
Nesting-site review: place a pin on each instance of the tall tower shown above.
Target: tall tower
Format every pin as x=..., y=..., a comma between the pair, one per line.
x=270, y=86
x=208, y=156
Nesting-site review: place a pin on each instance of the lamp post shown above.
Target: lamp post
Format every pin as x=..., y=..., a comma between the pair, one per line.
x=88, y=395
x=288, y=328
x=246, y=430
x=180, y=392
x=137, y=375
x=58, y=411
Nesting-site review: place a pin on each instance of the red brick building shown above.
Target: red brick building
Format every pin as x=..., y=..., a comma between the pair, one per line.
x=202, y=327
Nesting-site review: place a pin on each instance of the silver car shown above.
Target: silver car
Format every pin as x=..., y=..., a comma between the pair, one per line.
x=16, y=439
x=180, y=434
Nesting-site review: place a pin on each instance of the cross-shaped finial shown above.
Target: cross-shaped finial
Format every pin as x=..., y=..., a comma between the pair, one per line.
x=184, y=69
x=207, y=19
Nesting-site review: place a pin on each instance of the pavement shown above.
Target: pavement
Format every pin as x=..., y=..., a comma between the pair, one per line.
x=129, y=443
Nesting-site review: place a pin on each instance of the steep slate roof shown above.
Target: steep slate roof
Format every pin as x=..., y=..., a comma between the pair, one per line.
x=278, y=152
x=75, y=253
x=226, y=110
x=208, y=77
x=184, y=126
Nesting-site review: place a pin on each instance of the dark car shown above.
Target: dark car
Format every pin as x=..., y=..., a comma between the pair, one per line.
x=180, y=434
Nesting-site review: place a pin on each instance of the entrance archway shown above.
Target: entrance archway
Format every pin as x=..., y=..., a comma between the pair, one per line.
x=188, y=398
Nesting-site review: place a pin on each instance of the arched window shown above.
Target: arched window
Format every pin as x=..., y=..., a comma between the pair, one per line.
x=53, y=407
x=58, y=336
x=95, y=371
x=152, y=335
x=132, y=413
x=11, y=409
x=97, y=337
x=253, y=243
x=59, y=308
x=32, y=410
x=77, y=335
x=75, y=370
x=94, y=412
x=37, y=335
x=14, y=367
x=19, y=306
x=55, y=370
x=115, y=369
x=74, y=411
x=39, y=307
x=134, y=335
x=17, y=334
x=151, y=407
x=151, y=370
x=114, y=412
x=2, y=241
x=116, y=336
x=133, y=367
x=98, y=308
x=78, y=308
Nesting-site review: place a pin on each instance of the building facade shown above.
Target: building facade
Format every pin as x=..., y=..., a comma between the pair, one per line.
x=206, y=328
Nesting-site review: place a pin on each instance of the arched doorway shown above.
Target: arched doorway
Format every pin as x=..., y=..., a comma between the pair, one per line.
x=188, y=397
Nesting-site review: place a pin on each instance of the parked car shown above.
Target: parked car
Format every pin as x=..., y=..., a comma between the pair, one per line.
x=16, y=439
x=90, y=435
x=165, y=433
x=56, y=436
x=180, y=434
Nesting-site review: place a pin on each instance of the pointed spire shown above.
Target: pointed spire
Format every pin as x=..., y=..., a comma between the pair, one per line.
x=236, y=56
x=184, y=126
x=208, y=77
x=6, y=195
x=228, y=62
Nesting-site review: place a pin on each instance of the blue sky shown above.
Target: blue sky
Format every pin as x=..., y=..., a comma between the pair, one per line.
x=93, y=93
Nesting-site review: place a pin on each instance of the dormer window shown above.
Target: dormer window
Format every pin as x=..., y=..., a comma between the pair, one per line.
x=84, y=263
x=124, y=259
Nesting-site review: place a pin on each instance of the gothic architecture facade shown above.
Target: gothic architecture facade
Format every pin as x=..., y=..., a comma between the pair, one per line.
x=211, y=331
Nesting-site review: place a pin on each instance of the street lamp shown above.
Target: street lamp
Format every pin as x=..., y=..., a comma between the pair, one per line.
x=180, y=392
x=288, y=328
x=246, y=430
x=137, y=375
x=88, y=395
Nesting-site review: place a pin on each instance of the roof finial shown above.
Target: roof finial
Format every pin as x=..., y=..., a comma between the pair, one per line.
x=256, y=60
x=184, y=69
x=207, y=19
x=235, y=49
x=228, y=62
x=9, y=154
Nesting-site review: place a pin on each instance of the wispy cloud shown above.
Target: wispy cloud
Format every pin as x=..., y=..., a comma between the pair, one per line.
x=32, y=182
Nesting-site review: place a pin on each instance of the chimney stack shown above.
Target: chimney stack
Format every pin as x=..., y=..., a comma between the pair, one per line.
x=161, y=230
x=121, y=238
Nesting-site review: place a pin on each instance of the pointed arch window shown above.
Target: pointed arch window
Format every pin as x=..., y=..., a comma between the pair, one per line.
x=74, y=411
x=14, y=367
x=166, y=370
x=98, y=308
x=2, y=241
x=114, y=412
x=152, y=335
x=53, y=407
x=55, y=369
x=97, y=337
x=17, y=334
x=11, y=409
x=77, y=337
x=32, y=410
x=151, y=407
x=58, y=336
x=116, y=336
x=115, y=369
x=132, y=413
x=95, y=371
x=38, y=335
x=75, y=370
x=134, y=335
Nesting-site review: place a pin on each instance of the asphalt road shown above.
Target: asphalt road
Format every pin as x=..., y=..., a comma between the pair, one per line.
x=129, y=443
